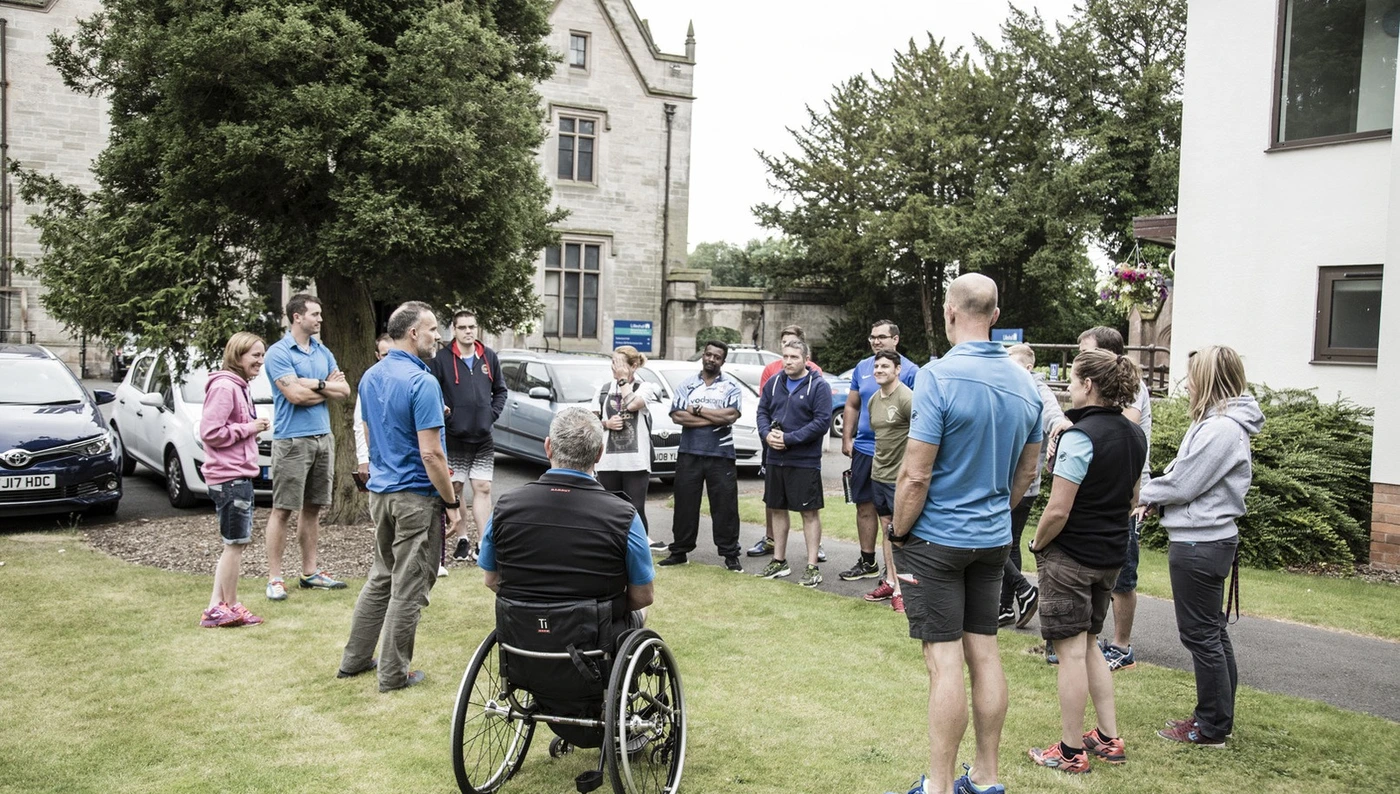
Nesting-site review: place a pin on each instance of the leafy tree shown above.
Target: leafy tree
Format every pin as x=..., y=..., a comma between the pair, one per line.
x=383, y=150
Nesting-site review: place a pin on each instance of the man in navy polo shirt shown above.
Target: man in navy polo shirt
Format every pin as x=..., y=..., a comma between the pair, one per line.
x=974, y=441
x=303, y=449
x=858, y=443
x=409, y=489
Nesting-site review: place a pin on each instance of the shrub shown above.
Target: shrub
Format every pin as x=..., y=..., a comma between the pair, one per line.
x=1311, y=497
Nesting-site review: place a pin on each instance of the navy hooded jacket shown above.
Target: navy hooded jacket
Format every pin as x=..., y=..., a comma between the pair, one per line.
x=804, y=414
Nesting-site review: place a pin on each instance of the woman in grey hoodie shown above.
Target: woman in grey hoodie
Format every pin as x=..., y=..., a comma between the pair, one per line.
x=1199, y=497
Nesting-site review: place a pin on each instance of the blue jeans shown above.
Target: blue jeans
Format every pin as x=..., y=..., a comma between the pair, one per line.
x=233, y=502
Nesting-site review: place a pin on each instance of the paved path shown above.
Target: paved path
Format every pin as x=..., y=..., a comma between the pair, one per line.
x=1345, y=670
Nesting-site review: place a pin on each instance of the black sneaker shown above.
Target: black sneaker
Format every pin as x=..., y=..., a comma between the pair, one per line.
x=1025, y=604
x=861, y=570
x=676, y=558
x=463, y=552
x=1006, y=616
x=762, y=548
x=732, y=563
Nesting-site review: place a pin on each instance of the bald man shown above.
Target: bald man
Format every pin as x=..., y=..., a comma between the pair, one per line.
x=974, y=439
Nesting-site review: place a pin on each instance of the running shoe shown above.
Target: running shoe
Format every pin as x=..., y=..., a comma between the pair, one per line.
x=732, y=564
x=861, y=570
x=320, y=581
x=442, y=570
x=882, y=592
x=821, y=553
x=1053, y=757
x=1190, y=733
x=675, y=558
x=276, y=590
x=219, y=617
x=463, y=552
x=1119, y=658
x=775, y=569
x=247, y=618
x=812, y=577
x=897, y=603
x=1191, y=721
x=964, y=785
x=762, y=548
x=1110, y=750
x=658, y=545
x=1050, y=657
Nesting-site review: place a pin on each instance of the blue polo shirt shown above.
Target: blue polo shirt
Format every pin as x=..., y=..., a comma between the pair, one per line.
x=399, y=396
x=286, y=358
x=639, y=567
x=981, y=409
x=863, y=383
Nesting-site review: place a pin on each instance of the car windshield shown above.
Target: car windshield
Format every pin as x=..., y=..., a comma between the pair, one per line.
x=580, y=382
x=38, y=381
x=192, y=390
x=675, y=377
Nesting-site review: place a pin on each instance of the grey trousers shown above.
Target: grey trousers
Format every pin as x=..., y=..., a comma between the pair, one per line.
x=1198, y=573
x=407, y=546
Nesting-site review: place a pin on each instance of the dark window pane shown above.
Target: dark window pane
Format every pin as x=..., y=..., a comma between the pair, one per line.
x=578, y=51
x=551, y=256
x=1356, y=313
x=590, y=257
x=1338, y=69
x=585, y=161
x=566, y=124
x=571, y=256
x=570, y=319
x=590, y=306
x=585, y=127
x=566, y=157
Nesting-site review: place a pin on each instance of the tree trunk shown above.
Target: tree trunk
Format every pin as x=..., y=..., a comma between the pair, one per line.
x=348, y=330
x=926, y=306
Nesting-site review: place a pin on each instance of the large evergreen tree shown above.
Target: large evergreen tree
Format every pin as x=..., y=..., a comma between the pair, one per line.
x=383, y=149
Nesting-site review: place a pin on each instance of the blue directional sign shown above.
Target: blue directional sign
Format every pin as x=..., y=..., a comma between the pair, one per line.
x=1008, y=336
x=636, y=333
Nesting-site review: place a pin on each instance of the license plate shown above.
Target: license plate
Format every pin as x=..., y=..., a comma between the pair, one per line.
x=27, y=482
x=666, y=455
x=263, y=474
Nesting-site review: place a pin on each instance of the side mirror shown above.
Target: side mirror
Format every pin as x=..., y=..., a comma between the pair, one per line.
x=102, y=396
x=539, y=393
x=152, y=400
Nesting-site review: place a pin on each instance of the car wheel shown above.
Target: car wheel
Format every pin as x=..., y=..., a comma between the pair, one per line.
x=838, y=423
x=128, y=462
x=175, y=487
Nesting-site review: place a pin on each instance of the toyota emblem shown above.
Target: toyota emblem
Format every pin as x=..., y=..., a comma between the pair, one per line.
x=663, y=434
x=16, y=458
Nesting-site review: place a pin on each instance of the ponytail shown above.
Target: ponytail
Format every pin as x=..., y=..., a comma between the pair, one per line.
x=1116, y=377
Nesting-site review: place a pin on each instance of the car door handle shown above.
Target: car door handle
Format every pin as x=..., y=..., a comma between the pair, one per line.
x=138, y=413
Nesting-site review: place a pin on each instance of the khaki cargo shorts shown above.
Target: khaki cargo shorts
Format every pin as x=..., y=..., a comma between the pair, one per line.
x=302, y=471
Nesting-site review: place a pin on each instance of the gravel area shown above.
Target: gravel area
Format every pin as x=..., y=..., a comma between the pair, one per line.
x=1366, y=573
x=191, y=544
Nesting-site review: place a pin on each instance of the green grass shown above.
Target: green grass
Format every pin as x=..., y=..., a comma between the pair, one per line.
x=113, y=687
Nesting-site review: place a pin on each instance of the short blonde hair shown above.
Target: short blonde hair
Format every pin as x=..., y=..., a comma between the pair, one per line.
x=1215, y=374
x=634, y=357
x=238, y=346
x=1023, y=353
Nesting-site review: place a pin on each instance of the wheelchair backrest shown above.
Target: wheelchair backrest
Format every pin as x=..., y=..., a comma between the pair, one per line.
x=556, y=650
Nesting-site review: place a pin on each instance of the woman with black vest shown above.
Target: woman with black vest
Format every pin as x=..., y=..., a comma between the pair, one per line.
x=1080, y=545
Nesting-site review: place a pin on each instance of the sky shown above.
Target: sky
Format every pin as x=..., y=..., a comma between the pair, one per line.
x=759, y=63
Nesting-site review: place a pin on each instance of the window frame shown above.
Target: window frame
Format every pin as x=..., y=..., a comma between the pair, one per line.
x=563, y=270
x=1275, y=114
x=584, y=67
x=577, y=117
x=1323, y=351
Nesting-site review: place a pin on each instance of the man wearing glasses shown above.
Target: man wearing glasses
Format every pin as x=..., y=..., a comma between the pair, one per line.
x=858, y=442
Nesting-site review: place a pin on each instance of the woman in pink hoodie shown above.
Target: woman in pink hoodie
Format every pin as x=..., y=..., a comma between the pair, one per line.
x=229, y=428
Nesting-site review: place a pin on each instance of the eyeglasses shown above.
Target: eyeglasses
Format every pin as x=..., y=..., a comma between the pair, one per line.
x=466, y=328
x=880, y=338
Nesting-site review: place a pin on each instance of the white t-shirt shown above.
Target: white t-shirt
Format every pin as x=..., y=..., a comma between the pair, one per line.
x=628, y=449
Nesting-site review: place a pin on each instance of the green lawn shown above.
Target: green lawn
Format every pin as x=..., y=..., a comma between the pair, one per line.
x=1348, y=604
x=113, y=687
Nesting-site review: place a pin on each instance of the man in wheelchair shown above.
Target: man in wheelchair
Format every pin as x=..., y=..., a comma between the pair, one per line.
x=572, y=572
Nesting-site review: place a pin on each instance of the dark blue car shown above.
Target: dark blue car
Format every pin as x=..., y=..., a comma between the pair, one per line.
x=56, y=453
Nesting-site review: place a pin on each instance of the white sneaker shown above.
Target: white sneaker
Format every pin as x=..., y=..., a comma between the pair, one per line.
x=442, y=570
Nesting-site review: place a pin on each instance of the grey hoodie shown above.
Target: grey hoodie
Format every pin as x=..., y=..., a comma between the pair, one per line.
x=1202, y=492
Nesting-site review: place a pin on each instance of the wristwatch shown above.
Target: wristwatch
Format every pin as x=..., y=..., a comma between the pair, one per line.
x=320, y=384
x=446, y=505
x=893, y=538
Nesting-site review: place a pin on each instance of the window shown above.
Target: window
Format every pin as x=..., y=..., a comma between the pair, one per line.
x=578, y=51
x=510, y=370
x=1348, y=314
x=141, y=371
x=576, y=138
x=571, y=290
x=536, y=376
x=1336, y=76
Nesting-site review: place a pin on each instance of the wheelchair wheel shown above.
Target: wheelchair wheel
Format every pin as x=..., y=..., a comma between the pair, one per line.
x=644, y=718
x=487, y=748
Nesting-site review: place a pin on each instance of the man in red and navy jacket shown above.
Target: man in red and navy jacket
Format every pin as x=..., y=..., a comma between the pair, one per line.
x=473, y=394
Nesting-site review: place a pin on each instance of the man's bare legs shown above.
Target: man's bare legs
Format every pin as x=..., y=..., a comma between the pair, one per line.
x=779, y=523
x=1124, y=608
x=811, y=532
x=276, y=540
x=988, y=703
x=891, y=575
x=308, y=530
x=866, y=526
x=947, y=707
x=481, y=505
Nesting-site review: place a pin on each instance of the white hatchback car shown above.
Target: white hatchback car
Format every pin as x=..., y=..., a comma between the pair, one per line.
x=156, y=418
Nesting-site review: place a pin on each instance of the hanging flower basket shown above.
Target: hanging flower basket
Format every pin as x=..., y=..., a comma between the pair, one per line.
x=1136, y=283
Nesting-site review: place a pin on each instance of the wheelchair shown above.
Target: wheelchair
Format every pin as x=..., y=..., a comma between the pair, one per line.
x=569, y=666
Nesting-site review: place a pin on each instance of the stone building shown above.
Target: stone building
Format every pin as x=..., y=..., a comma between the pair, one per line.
x=46, y=127
x=618, y=158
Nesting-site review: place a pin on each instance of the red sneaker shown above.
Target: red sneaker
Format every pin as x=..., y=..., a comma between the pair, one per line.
x=1110, y=750
x=897, y=604
x=882, y=592
x=248, y=618
x=1053, y=758
x=218, y=617
x=1190, y=733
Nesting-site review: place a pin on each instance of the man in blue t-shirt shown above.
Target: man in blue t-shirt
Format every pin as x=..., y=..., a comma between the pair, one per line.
x=410, y=487
x=706, y=406
x=974, y=441
x=858, y=443
x=303, y=449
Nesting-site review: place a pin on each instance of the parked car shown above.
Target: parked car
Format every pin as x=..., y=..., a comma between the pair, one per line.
x=122, y=351
x=540, y=384
x=745, y=356
x=56, y=453
x=840, y=388
x=157, y=421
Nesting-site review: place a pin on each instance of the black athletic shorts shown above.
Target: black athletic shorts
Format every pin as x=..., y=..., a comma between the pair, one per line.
x=791, y=488
x=958, y=590
x=884, y=497
x=861, y=492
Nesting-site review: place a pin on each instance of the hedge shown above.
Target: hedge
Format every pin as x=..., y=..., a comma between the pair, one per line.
x=1311, y=497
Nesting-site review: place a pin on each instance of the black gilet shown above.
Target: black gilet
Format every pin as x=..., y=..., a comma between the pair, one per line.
x=1096, y=532
x=562, y=537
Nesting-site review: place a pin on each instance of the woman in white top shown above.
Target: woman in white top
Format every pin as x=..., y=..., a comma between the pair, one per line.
x=626, y=463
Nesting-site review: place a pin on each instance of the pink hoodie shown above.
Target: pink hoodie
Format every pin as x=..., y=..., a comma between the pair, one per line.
x=228, y=429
